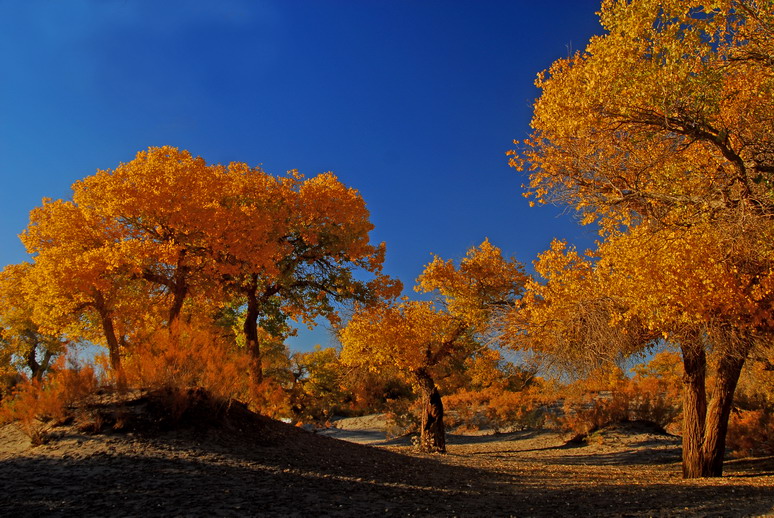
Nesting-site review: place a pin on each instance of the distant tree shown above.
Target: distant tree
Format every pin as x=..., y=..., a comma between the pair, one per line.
x=420, y=337
x=318, y=389
x=22, y=342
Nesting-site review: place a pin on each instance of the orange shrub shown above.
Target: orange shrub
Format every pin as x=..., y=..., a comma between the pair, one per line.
x=529, y=408
x=403, y=416
x=34, y=404
x=270, y=399
x=498, y=409
x=751, y=427
x=200, y=357
x=751, y=433
x=467, y=409
x=593, y=411
x=190, y=358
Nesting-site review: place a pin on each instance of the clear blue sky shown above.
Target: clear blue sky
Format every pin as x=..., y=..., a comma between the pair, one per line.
x=412, y=102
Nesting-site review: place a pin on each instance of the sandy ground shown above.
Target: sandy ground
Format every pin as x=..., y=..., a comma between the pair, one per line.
x=259, y=467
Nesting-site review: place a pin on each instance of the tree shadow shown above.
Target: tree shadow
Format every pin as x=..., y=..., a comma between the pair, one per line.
x=317, y=476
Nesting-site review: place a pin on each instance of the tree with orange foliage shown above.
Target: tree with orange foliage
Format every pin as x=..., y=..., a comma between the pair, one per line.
x=22, y=342
x=299, y=259
x=419, y=337
x=638, y=289
x=80, y=283
x=161, y=207
x=661, y=131
x=168, y=230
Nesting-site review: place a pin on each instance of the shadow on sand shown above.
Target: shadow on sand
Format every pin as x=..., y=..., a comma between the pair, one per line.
x=317, y=476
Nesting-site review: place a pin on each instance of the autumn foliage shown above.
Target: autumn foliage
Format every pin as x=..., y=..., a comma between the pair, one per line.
x=421, y=338
x=190, y=274
x=37, y=404
x=660, y=132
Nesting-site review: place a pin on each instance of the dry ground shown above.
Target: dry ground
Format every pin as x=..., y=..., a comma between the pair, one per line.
x=252, y=466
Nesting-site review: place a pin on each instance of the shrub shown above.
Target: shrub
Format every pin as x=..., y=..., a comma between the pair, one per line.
x=190, y=358
x=526, y=409
x=38, y=405
x=652, y=394
x=403, y=416
x=497, y=409
x=751, y=433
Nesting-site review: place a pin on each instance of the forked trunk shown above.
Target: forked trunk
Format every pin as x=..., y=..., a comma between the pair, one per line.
x=432, y=436
x=110, y=337
x=705, y=427
x=32, y=362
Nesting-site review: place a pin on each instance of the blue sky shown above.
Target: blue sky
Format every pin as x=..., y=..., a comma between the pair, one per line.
x=412, y=102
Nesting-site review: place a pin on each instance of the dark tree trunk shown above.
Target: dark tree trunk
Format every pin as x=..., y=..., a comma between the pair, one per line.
x=694, y=409
x=705, y=427
x=46, y=362
x=177, y=285
x=38, y=368
x=110, y=337
x=433, y=433
x=251, y=337
x=32, y=362
x=718, y=413
x=179, y=293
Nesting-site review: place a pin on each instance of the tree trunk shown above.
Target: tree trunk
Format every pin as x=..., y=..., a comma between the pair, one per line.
x=110, y=337
x=179, y=293
x=46, y=361
x=729, y=369
x=694, y=409
x=38, y=368
x=432, y=437
x=705, y=427
x=251, y=337
x=32, y=362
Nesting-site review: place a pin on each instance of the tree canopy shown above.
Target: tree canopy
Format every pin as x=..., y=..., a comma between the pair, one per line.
x=420, y=337
x=166, y=230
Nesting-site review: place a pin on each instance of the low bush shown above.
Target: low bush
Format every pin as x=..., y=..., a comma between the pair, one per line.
x=751, y=433
x=38, y=405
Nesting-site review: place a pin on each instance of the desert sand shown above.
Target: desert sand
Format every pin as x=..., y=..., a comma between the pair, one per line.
x=248, y=465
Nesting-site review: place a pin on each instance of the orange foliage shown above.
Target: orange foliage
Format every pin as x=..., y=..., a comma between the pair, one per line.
x=660, y=131
x=751, y=427
x=193, y=357
x=608, y=396
x=269, y=398
x=751, y=432
x=498, y=409
x=166, y=235
x=36, y=403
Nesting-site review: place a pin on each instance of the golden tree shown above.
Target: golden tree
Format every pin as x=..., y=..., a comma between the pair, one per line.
x=290, y=249
x=80, y=283
x=162, y=205
x=168, y=230
x=662, y=131
x=22, y=341
x=420, y=337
